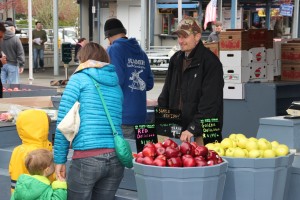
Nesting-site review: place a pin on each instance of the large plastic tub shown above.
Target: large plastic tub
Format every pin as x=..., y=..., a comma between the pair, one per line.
x=292, y=191
x=176, y=183
x=257, y=178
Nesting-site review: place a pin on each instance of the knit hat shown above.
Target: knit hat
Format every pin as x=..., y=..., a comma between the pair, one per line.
x=113, y=27
x=188, y=26
x=8, y=23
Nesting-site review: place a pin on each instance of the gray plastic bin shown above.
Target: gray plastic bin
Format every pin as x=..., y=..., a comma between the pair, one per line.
x=179, y=183
x=257, y=178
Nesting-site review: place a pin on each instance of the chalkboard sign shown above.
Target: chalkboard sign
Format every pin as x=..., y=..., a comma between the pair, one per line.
x=167, y=122
x=144, y=133
x=211, y=130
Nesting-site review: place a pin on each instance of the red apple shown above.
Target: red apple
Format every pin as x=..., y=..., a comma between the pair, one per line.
x=188, y=161
x=201, y=151
x=149, y=151
x=160, y=151
x=200, y=158
x=186, y=148
x=162, y=157
x=9, y=90
x=211, y=162
x=220, y=160
x=148, y=160
x=174, y=162
x=201, y=163
x=168, y=142
x=194, y=144
x=212, y=155
x=150, y=144
x=160, y=162
x=139, y=160
x=172, y=152
x=159, y=144
x=140, y=155
x=16, y=89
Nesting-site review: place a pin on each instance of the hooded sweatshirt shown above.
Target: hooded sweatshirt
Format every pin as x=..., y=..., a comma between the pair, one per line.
x=33, y=129
x=135, y=78
x=95, y=131
x=39, y=188
x=13, y=49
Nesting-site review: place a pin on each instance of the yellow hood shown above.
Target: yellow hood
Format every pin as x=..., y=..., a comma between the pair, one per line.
x=33, y=127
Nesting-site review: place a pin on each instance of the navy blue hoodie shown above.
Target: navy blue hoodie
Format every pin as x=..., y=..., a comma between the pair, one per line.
x=135, y=78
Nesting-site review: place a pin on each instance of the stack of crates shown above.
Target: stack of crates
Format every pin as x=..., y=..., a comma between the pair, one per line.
x=290, y=61
x=247, y=56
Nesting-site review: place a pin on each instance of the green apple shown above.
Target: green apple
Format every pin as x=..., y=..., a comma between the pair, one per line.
x=232, y=136
x=251, y=144
x=217, y=144
x=210, y=146
x=261, y=153
x=229, y=152
x=246, y=153
x=269, y=153
x=274, y=144
x=254, y=153
x=226, y=143
x=234, y=144
x=240, y=135
x=253, y=139
x=219, y=150
x=241, y=142
x=239, y=153
x=282, y=150
x=264, y=144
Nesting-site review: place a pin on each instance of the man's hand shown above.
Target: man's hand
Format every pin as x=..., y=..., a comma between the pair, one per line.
x=60, y=171
x=186, y=136
x=21, y=70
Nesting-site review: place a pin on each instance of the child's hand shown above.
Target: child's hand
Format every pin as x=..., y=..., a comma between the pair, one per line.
x=60, y=171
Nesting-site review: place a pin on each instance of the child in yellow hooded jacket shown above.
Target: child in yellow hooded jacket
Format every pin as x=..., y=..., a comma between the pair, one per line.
x=33, y=129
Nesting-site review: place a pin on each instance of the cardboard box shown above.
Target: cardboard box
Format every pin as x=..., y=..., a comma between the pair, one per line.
x=290, y=72
x=290, y=52
x=236, y=74
x=213, y=46
x=277, y=67
x=270, y=56
x=234, y=91
x=258, y=54
x=258, y=71
x=234, y=39
x=236, y=58
x=270, y=72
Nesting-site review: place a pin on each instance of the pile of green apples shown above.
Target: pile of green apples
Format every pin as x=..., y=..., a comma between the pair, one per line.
x=239, y=146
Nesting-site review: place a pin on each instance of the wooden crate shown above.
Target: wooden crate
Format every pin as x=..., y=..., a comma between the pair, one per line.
x=24, y=40
x=213, y=46
x=290, y=52
x=290, y=72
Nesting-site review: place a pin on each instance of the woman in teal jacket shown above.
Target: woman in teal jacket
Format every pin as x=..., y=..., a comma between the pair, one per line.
x=95, y=171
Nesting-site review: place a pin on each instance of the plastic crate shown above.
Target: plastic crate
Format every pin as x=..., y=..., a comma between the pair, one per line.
x=257, y=178
x=178, y=183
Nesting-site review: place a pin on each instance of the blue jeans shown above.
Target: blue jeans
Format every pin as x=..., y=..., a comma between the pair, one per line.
x=10, y=74
x=38, y=53
x=95, y=178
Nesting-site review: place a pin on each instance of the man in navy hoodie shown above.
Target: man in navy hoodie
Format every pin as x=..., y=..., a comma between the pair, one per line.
x=134, y=72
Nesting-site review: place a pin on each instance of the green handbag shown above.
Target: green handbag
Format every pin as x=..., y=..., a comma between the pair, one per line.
x=122, y=146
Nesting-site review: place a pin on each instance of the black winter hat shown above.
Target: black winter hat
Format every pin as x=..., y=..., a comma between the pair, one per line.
x=113, y=27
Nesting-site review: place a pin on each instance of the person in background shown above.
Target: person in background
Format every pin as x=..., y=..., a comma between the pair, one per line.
x=39, y=37
x=134, y=72
x=81, y=42
x=278, y=30
x=95, y=171
x=15, y=56
x=214, y=36
x=33, y=129
x=2, y=56
x=37, y=185
x=194, y=82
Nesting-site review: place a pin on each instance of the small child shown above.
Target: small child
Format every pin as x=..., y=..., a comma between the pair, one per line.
x=40, y=165
x=33, y=129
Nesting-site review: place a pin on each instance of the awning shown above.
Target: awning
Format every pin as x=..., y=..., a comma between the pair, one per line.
x=175, y=5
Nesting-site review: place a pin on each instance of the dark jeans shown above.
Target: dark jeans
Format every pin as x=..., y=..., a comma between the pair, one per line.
x=38, y=53
x=95, y=178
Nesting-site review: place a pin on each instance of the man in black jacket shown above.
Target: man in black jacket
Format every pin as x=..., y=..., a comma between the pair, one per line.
x=194, y=82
